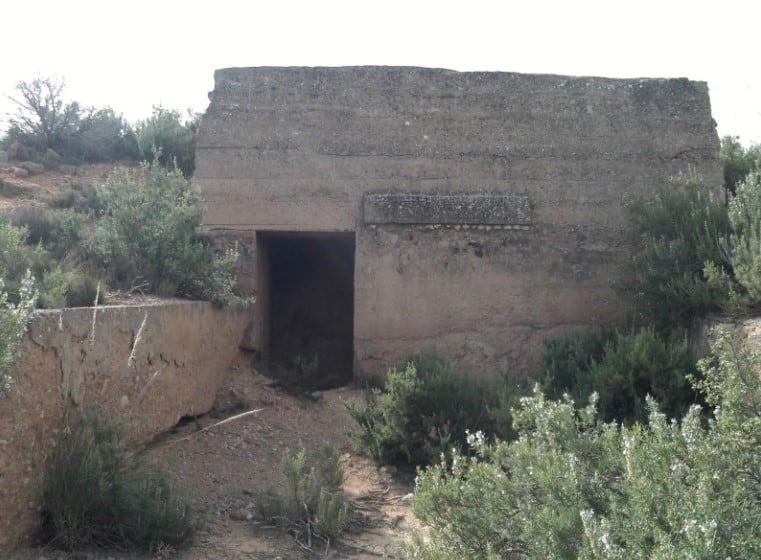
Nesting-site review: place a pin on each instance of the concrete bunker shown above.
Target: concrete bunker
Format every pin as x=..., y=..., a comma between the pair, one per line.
x=309, y=302
x=489, y=209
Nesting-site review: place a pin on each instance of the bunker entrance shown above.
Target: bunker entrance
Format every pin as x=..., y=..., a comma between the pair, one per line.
x=310, y=289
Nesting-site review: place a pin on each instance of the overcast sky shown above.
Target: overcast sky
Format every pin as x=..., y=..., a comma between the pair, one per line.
x=134, y=54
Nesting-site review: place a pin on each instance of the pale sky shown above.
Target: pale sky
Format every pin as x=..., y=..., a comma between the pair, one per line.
x=131, y=55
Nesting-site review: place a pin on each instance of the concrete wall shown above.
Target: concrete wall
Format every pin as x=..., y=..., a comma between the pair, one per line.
x=148, y=365
x=538, y=168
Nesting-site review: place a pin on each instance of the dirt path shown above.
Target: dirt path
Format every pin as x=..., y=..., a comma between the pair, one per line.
x=225, y=468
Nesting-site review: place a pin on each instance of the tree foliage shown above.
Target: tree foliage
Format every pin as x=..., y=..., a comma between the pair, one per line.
x=680, y=228
x=740, y=277
x=738, y=161
x=168, y=138
x=43, y=119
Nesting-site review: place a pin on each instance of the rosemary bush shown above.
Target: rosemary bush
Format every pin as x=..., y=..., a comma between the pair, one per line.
x=572, y=486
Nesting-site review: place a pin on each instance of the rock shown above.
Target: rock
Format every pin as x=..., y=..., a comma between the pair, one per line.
x=390, y=470
x=248, y=341
x=32, y=167
x=19, y=172
x=18, y=152
x=240, y=514
x=52, y=155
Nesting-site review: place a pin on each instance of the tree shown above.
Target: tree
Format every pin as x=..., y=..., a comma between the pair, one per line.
x=42, y=119
x=738, y=161
x=103, y=135
x=168, y=138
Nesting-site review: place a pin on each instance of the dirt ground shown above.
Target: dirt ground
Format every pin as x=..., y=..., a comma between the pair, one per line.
x=223, y=469
x=42, y=188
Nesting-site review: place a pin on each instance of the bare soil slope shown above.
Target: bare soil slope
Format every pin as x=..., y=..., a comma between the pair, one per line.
x=44, y=188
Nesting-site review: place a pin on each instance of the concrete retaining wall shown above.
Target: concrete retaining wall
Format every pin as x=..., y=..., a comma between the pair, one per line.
x=149, y=365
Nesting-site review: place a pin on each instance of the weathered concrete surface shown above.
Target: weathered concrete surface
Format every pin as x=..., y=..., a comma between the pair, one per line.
x=148, y=365
x=446, y=209
x=300, y=149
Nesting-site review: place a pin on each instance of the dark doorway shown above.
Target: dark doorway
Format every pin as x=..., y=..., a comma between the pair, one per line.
x=311, y=303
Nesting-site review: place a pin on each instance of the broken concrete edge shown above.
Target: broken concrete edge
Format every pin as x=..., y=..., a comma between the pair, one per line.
x=144, y=365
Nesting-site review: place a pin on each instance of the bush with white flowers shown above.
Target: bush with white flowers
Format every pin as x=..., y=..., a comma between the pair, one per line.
x=572, y=486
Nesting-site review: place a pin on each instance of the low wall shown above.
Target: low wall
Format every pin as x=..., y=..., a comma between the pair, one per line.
x=149, y=365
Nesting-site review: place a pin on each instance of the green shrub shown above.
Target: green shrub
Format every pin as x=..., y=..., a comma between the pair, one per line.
x=147, y=233
x=170, y=140
x=54, y=286
x=52, y=244
x=70, y=234
x=423, y=410
x=14, y=258
x=63, y=199
x=301, y=377
x=680, y=228
x=102, y=135
x=567, y=358
x=309, y=495
x=13, y=322
x=150, y=233
x=574, y=487
x=37, y=221
x=741, y=278
x=83, y=288
x=738, y=161
x=9, y=190
x=98, y=494
x=60, y=231
x=622, y=369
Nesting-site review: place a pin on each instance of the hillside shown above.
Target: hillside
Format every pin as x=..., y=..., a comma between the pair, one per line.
x=61, y=187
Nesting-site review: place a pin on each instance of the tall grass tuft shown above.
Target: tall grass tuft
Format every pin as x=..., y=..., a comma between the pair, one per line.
x=99, y=494
x=309, y=497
